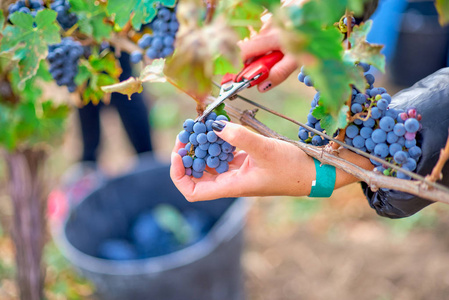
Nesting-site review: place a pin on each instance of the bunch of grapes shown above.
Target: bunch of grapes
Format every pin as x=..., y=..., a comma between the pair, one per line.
x=204, y=148
x=65, y=18
x=63, y=59
x=304, y=134
x=160, y=43
x=377, y=129
x=33, y=7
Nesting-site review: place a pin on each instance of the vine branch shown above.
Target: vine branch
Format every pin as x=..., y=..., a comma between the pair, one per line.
x=437, y=170
x=373, y=179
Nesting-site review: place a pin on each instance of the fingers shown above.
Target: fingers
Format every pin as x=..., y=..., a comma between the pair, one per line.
x=279, y=73
x=260, y=44
x=252, y=143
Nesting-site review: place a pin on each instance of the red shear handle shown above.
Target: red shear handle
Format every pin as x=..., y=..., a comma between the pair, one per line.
x=259, y=66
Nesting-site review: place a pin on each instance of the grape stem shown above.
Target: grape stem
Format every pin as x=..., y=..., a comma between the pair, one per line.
x=437, y=170
x=349, y=26
x=210, y=10
x=422, y=187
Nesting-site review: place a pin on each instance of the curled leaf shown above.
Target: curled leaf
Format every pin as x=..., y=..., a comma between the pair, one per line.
x=128, y=87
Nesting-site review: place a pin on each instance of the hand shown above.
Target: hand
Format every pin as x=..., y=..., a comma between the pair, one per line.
x=268, y=40
x=265, y=166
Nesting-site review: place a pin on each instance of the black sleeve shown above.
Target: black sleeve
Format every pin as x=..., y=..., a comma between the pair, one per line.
x=430, y=97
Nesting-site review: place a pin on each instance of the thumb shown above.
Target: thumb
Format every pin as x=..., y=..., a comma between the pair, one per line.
x=279, y=73
x=240, y=137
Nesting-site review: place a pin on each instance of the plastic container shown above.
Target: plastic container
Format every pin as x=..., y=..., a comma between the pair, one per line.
x=207, y=270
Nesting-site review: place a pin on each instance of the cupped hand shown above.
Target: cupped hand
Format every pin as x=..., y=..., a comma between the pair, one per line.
x=265, y=41
x=263, y=167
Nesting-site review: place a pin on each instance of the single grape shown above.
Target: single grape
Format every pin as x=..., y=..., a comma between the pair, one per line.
x=379, y=136
x=213, y=162
x=410, y=164
x=376, y=113
x=400, y=157
x=301, y=77
x=188, y=125
x=410, y=136
x=381, y=150
x=394, y=148
x=223, y=156
x=226, y=147
x=199, y=165
x=189, y=171
x=358, y=142
x=223, y=167
x=222, y=118
x=197, y=174
x=214, y=149
x=410, y=143
x=204, y=147
x=183, y=152
x=183, y=137
x=369, y=123
x=303, y=134
x=356, y=108
x=360, y=99
x=317, y=140
x=200, y=153
x=352, y=131
x=135, y=57
x=187, y=161
x=308, y=81
x=201, y=138
x=212, y=137
x=386, y=124
x=411, y=124
x=369, y=144
x=382, y=104
x=199, y=127
x=392, y=137
x=366, y=132
x=369, y=78
x=145, y=41
x=415, y=152
x=364, y=66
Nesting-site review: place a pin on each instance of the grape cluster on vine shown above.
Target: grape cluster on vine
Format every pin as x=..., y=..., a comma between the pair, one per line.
x=21, y=6
x=63, y=59
x=65, y=18
x=204, y=148
x=160, y=43
x=375, y=128
x=304, y=134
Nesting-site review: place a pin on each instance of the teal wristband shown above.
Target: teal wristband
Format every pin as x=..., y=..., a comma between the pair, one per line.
x=324, y=184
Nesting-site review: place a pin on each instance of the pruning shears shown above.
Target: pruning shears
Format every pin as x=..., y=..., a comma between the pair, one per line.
x=255, y=71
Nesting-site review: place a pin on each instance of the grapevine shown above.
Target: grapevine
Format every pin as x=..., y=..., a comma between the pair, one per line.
x=76, y=44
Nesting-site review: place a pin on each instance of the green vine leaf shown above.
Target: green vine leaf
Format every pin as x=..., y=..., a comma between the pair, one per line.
x=92, y=17
x=362, y=51
x=142, y=11
x=29, y=38
x=443, y=11
x=241, y=15
x=192, y=65
x=331, y=122
x=94, y=73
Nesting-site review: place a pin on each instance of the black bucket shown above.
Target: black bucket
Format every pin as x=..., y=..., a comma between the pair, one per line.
x=207, y=270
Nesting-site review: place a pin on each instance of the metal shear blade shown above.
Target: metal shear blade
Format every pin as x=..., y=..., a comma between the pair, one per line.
x=226, y=92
